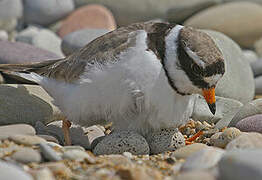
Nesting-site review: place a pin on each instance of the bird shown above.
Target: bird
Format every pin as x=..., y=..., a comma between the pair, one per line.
x=139, y=77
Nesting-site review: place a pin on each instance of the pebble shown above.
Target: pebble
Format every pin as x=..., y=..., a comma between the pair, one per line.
x=80, y=148
x=258, y=85
x=10, y=11
x=10, y=171
x=90, y=16
x=258, y=47
x=54, y=145
x=122, y=141
x=27, y=155
x=46, y=12
x=226, y=136
x=251, y=124
x=204, y=159
x=257, y=67
x=186, y=151
x=27, y=140
x=6, y=150
x=182, y=10
x=57, y=168
x=241, y=165
x=78, y=155
x=78, y=39
x=231, y=17
x=42, y=38
x=250, y=55
x=195, y=175
x=3, y=35
x=165, y=140
x=8, y=130
x=43, y=174
x=48, y=153
x=246, y=141
x=26, y=104
x=249, y=109
x=128, y=155
x=49, y=138
x=24, y=53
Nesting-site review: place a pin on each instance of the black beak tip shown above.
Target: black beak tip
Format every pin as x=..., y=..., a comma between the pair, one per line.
x=212, y=108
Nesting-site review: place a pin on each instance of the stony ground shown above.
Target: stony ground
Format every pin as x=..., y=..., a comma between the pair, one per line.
x=27, y=155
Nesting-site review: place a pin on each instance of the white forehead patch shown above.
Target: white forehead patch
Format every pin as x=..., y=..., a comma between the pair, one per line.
x=195, y=57
x=212, y=80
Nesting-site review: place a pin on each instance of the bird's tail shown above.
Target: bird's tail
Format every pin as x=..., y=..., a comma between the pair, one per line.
x=26, y=73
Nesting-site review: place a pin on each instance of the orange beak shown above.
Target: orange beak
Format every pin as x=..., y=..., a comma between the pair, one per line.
x=209, y=95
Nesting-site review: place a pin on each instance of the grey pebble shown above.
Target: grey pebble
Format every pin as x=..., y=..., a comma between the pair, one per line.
x=165, y=140
x=122, y=141
x=12, y=172
x=41, y=38
x=186, y=151
x=202, y=160
x=49, y=138
x=46, y=12
x=246, y=141
x=8, y=130
x=3, y=35
x=27, y=140
x=67, y=148
x=27, y=155
x=249, y=109
x=251, y=124
x=195, y=175
x=43, y=174
x=78, y=155
x=48, y=153
x=241, y=165
x=226, y=137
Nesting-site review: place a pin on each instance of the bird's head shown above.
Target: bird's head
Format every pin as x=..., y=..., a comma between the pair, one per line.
x=193, y=63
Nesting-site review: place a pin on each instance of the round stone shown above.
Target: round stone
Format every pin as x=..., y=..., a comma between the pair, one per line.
x=17, y=52
x=241, y=165
x=9, y=130
x=41, y=38
x=231, y=18
x=46, y=12
x=3, y=35
x=48, y=153
x=203, y=160
x=246, y=141
x=249, y=109
x=165, y=140
x=26, y=139
x=26, y=104
x=196, y=175
x=186, y=151
x=226, y=136
x=10, y=171
x=251, y=124
x=122, y=141
x=78, y=155
x=27, y=155
x=90, y=16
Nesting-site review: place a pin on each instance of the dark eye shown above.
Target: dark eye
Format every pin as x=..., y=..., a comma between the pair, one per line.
x=196, y=69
